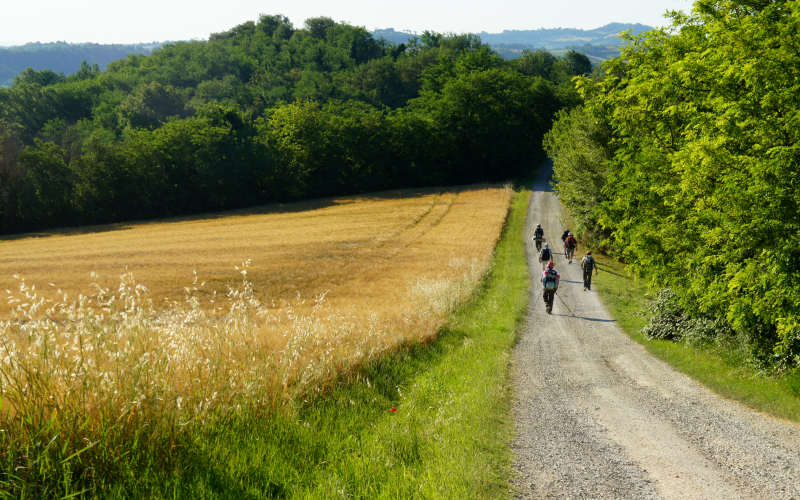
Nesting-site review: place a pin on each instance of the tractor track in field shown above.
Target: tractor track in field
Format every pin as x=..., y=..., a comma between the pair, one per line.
x=597, y=417
x=384, y=250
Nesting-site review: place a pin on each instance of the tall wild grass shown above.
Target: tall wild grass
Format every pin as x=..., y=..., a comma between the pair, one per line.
x=88, y=383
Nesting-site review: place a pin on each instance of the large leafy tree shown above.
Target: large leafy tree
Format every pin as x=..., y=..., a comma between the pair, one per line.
x=579, y=146
x=702, y=190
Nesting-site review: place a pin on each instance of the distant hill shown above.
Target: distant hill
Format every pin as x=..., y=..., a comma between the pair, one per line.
x=62, y=57
x=599, y=44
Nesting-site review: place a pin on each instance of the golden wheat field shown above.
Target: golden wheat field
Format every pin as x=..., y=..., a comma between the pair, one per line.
x=361, y=251
x=183, y=317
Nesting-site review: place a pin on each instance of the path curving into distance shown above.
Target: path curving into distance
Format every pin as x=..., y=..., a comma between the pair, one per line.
x=597, y=417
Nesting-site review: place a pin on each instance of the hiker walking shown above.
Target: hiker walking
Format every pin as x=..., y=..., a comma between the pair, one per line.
x=564, y=240
x=571, y=244
x=550, y=280
x=538, y=237
x=588, y=264
x=545, y=256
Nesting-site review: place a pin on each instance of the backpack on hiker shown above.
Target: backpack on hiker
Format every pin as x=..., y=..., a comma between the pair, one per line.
x=550, y=281
x=571, y=242
x=546, y=254
x=588, y=264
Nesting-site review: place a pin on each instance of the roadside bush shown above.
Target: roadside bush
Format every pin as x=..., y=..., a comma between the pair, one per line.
x=703, y=331
x=670, y=321
x=753, y=345
x=759, y=342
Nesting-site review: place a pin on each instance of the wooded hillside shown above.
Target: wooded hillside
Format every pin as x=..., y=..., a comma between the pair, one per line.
x=267, y=112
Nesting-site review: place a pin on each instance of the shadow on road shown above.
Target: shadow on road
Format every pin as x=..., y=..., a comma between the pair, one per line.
x=606, y=270
x=597, y=320
x=543, y=179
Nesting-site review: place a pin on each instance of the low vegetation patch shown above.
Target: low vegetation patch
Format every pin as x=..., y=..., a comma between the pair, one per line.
x=719, y=361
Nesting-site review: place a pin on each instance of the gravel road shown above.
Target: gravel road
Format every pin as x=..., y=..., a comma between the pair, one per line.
x=598, y=417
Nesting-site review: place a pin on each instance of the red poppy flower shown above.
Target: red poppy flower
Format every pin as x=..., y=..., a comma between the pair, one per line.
x=393, y=410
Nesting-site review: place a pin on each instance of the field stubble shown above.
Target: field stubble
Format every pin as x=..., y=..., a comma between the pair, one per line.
x=328, y=289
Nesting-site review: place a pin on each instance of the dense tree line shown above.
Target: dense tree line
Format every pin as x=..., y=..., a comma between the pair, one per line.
x=684, y=159
x=266, y=112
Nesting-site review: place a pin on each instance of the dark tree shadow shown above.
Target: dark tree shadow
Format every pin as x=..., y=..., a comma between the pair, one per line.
x=273, y=208
x=606, y=270
x=544, y=178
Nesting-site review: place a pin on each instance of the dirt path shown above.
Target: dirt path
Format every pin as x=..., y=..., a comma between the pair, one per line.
x=598, y=417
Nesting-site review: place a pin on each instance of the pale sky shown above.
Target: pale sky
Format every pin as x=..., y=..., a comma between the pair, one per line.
x=115, y=21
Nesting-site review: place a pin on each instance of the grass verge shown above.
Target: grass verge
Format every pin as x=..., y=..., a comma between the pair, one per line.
x=430, y=421
x=715, y=367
